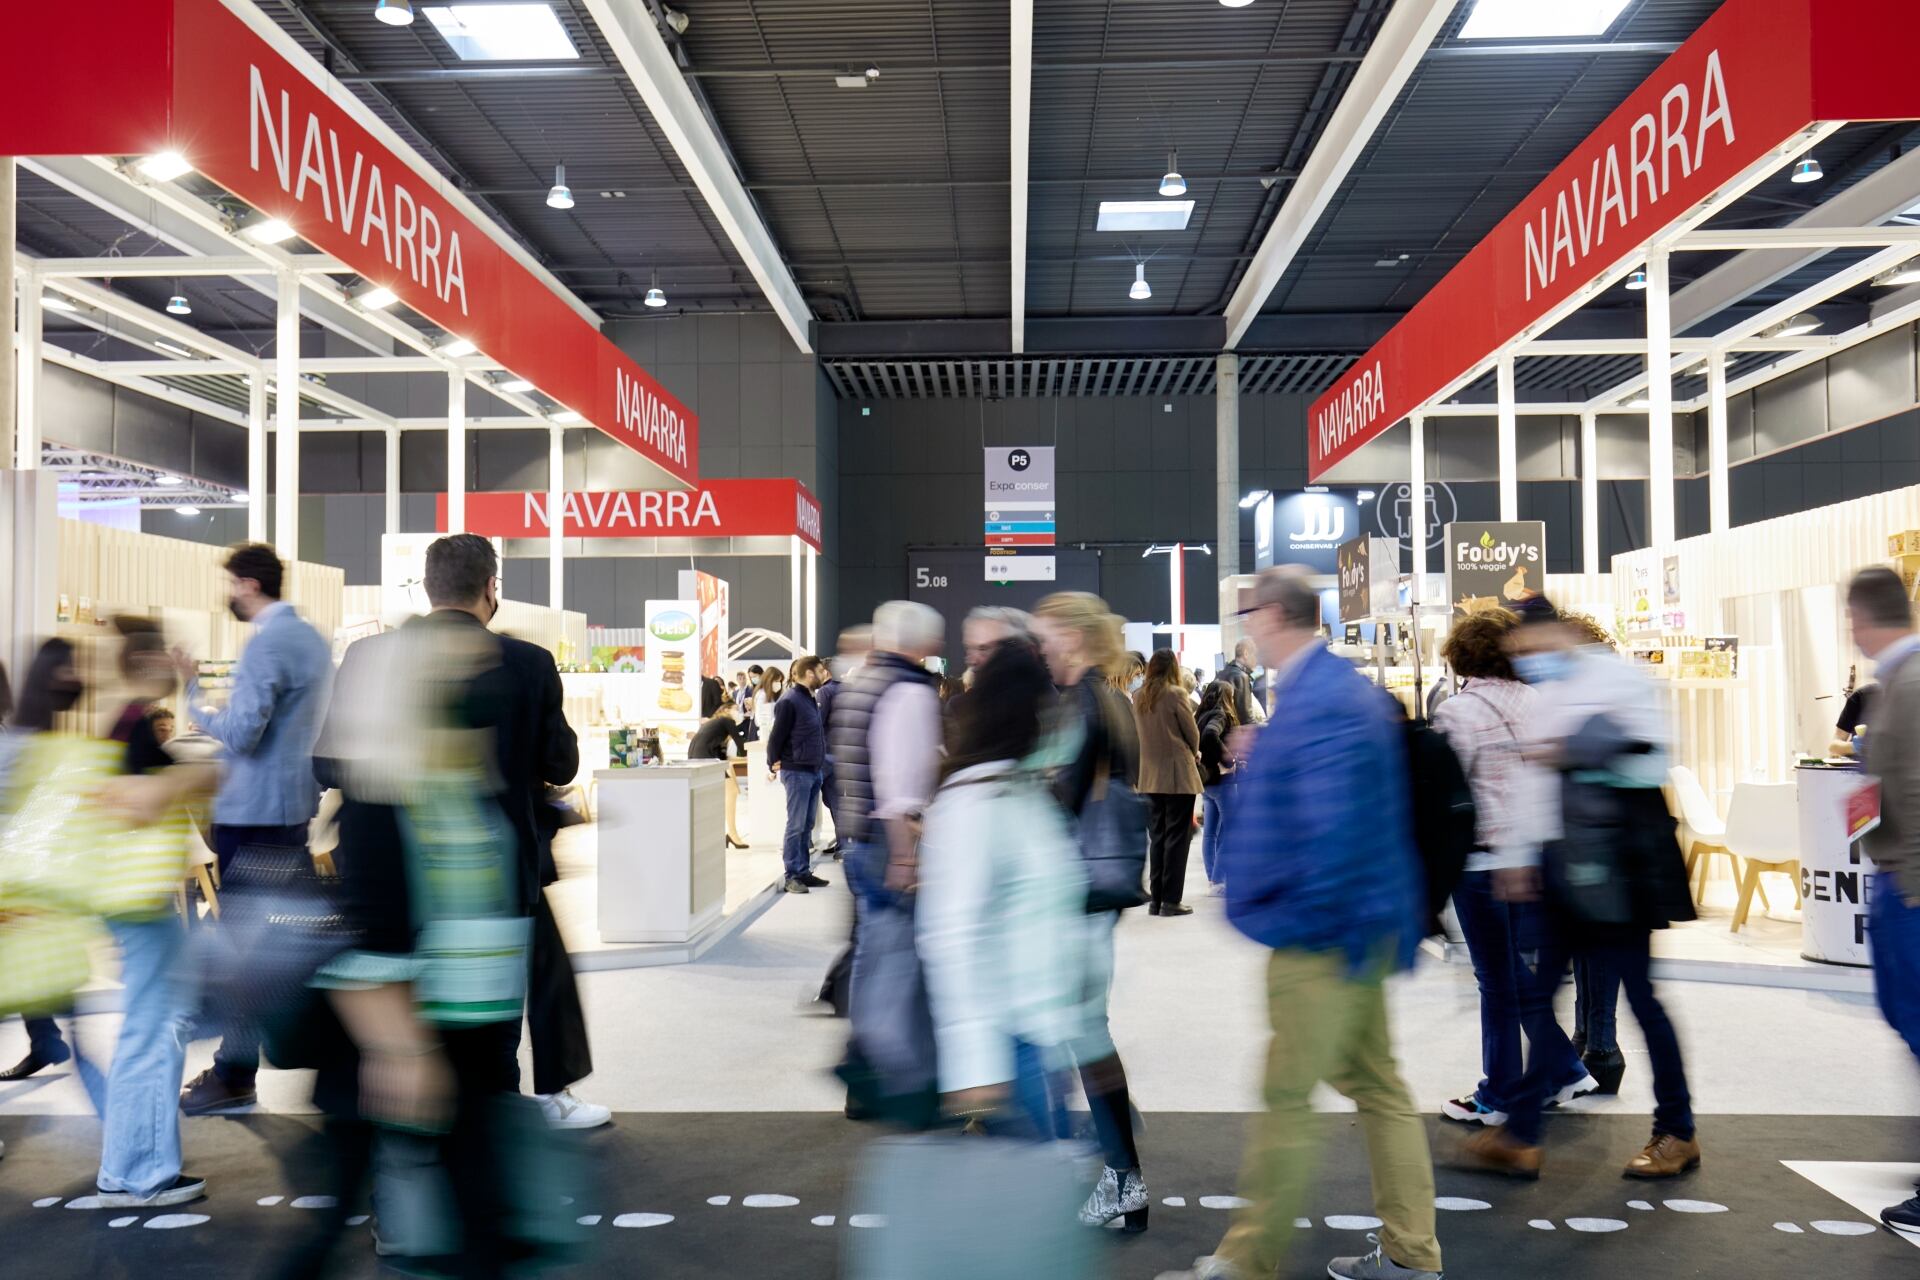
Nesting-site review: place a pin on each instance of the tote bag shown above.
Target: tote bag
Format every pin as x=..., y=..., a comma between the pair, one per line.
x=1113, y=844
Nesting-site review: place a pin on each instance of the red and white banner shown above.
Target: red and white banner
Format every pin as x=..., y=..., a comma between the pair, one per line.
x=1756, y=74
x=717, y=509
x=258, y=117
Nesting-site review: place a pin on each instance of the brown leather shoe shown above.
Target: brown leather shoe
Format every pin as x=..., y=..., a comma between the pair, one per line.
x=1497, y=1151
x=1665, y=1157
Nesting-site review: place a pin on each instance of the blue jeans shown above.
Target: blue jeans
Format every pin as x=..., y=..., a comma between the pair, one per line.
x=1629, y=961
x=1893, y=932
x=803, y=801
x=1596, y=1004
x=140, y=1150
x=1503, y=939
x=1213, y=800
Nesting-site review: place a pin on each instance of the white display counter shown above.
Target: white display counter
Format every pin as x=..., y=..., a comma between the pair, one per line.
x=662, y=851
x=766, y=800
x=1833, y=871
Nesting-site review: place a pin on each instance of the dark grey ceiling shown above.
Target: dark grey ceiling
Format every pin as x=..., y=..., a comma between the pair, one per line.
x=891, y=203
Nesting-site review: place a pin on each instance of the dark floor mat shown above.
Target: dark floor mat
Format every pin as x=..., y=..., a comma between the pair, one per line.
x=676, y=1164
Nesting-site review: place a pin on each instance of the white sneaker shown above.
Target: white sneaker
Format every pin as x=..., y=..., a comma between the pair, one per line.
x=564, y=1111
x=1578, y=1089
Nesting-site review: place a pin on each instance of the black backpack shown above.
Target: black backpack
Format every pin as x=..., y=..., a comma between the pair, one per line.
x=1444, y=829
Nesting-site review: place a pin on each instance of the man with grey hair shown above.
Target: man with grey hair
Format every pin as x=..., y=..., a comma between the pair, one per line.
x=987, y=626
x=886, y=741
x=1882, y=619
x=1319, y=863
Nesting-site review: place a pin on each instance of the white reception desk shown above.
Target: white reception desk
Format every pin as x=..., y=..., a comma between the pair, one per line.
x=1834, y=873
x=662, y=851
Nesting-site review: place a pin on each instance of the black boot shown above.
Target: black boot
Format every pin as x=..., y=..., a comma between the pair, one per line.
x=1606, y=1068
x=26, y=1066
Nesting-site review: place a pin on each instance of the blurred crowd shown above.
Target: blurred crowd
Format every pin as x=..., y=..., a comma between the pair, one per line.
x=992, y=828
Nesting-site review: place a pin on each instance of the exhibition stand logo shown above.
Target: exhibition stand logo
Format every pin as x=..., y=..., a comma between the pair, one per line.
x=1321, y=522
x=673, y=626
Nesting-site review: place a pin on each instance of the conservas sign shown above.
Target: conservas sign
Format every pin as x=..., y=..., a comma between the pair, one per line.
x=1495, y=565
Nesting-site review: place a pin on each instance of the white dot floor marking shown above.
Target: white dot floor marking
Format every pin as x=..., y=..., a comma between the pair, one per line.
x=269, y=1201
x=46, y=1202
x=769, y=1202
x=174, y=1221
x=1352, y=1222
x=1834, y=1227
x=315, y=1202
x=867, y=1220
x=1223, y=1202
x=1694, y=1206
x=1791, y=1228
x=643, y=1220
x=1303, y=1224
x=357, y=1220
x=1540, y=1224
x=565, y=1200
x=85, y=1202
x=1595, y=1226
x=1641, y=1205
x=824, y=1220
x=1459, y=1204
x=721, y=1201
x=588, y=1220
x=1175, y=1202
x=123, y=1222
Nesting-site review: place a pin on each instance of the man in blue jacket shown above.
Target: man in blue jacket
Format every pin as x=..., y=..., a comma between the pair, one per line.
x=268, y=794
x=797, y=752
x=1320, y=865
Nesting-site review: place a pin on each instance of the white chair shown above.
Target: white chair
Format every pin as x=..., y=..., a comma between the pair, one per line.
x=1763, y=831
x=1702, y=832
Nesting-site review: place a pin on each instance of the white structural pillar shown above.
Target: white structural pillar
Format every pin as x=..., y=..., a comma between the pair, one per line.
x=1589, y=492
x=1509, y=447
x=1417, y=496
x=1226, y=448
x=456, y=452
x=26, y=423
x=286, y=377
x=257, y=486
x=1659, y=399
x=1719, y=515
x=793, y=579
x=392, y=524
x=556, y=518
x=813, y=600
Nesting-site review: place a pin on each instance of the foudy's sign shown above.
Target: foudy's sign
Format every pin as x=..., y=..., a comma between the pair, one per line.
x=1495, y=564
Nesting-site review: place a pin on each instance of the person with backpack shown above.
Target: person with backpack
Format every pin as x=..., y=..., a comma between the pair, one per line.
x=1483, y=722
x=1320, y=867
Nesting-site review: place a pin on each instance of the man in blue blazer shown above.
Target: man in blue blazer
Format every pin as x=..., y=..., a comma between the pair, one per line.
x=267, y=794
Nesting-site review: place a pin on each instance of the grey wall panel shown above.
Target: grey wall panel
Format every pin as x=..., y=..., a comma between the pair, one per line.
x=1464, y=449
x=1870, y=381
x=764, y=340
x=330, y=463
x=151, y=431
x=1622, y=441
x=219, y=451
x=1740, y=440
x=423, y=461
x=509, y=460
x=1790, y=409
x=76, y=410
x=1543, y=450
x=720, y=402
x=719, y=339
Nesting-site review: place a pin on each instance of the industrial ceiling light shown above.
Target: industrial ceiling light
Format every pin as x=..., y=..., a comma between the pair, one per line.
x=502, y=32
x=564, y=416
x=163, y=166
x=1533, y=19
x=376, y=297
x=1808, y=170
x=1795, y=326
x=54, y=302
x=1637, y=281
x=267, y=231
x=1253, y=499
x=178, y=305
x=166, y=479
x=186, y=511
x=1236, y=4
x=1906, y=273
x=457, y=347
x=516, y=386
x=675, y=19
x=1141, y=290
x=655, y=298
x=242, y=499
x=1173, y=184
x=1639, y=402
x=174, y=349
x=395, y=13
x=561, y=197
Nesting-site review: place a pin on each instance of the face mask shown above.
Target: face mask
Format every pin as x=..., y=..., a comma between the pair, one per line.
x=1540, y=668
x=233, y=607
x=62, y=697
x=1133, y=685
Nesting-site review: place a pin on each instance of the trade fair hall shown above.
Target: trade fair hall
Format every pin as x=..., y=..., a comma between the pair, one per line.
x=920, y=639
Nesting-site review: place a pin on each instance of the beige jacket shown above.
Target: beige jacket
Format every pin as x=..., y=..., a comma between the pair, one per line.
x=1169, y=746
x=1893, y=756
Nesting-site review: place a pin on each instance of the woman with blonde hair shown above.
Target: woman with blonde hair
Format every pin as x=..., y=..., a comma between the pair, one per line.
x=1080, y=639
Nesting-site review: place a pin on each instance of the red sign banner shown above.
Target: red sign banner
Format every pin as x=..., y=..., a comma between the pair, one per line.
x=252, y=113
x=1753, y=77
x=717, y=509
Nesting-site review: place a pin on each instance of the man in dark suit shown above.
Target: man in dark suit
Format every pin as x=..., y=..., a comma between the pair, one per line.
x=533, y=748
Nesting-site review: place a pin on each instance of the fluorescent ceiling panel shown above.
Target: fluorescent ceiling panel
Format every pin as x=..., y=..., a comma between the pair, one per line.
x=1144, y=215
x=1540, y=19
x=502, y=32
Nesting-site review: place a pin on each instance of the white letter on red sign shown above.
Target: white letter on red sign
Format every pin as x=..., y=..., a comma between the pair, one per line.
x=313, y=160
x=1713, y=106
x=259, y=108
x=1673, y=133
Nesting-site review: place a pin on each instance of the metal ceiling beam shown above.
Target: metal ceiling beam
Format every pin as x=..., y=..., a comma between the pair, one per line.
x=182, y=265
x=1410, y=29
x=106, y=372
x=641, y=185
x=636, y=43
x=1575, y=49
x=1020, y=128
x=1797, y=237
x=1874, y=199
